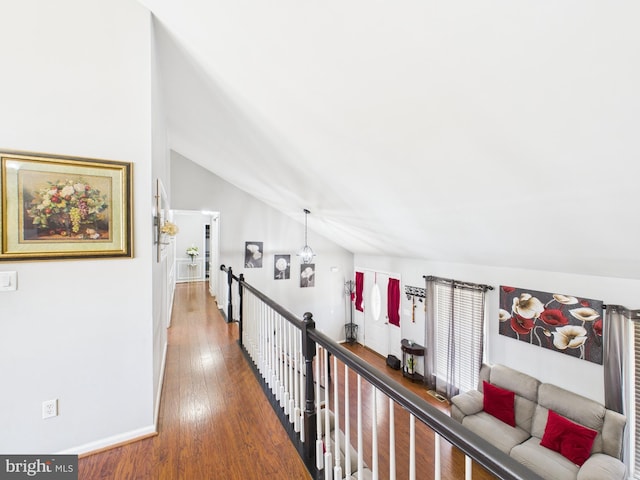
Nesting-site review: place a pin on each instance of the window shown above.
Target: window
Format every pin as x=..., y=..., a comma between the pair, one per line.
x=457, y=335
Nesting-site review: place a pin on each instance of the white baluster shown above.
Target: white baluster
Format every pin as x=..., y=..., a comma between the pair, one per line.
x=273, y=334
x=412, y=449
x=347, y=430
x=266, y=343
x=319, y=452
x=374, y=435
x=438, y=472
x=260, y=341
x=281, y=375
x=337, y=470
x=303, y=389
x=327, y=427
x=296, y=382
x=468, y=467
x=265, y=346
x=392, y=442
x=262, y=326
x=284, y=402
x=291, y=358
x=360, y=447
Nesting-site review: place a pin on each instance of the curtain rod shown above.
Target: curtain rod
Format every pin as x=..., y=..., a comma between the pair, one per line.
x=457, y=283
x=630, y=314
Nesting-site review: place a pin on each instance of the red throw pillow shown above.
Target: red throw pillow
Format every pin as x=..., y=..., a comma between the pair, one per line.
x=569, y=439
x=499, y=403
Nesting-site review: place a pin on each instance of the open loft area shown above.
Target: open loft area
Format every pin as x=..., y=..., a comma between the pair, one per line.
x=490, y=144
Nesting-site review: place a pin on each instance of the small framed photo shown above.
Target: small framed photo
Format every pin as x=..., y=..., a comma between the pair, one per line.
x=307, y=275
x=58, y=207
x=282, y=267
x=253, y=254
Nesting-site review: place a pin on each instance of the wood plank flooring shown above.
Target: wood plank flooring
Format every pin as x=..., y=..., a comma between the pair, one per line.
x=216, y=423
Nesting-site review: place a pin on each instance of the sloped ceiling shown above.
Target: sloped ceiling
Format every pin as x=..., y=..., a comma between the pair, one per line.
x=497, y=132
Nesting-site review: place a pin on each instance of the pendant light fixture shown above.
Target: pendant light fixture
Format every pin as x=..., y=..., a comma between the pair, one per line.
x=306, y=253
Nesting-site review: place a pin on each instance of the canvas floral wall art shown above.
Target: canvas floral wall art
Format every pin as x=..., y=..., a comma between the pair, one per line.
x=563, y=323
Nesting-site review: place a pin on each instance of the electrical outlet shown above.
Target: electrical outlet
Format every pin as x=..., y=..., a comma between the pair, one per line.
x=50, y=408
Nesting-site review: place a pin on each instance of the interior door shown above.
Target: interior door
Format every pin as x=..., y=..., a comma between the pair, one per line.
x=376, y=324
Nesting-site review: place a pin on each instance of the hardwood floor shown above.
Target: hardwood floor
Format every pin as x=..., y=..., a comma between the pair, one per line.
x=215, y=421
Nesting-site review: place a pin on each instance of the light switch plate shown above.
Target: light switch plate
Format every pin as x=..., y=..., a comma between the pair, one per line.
x=8, y=281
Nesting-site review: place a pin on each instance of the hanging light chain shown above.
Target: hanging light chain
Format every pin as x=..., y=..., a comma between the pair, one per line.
x=306, y=254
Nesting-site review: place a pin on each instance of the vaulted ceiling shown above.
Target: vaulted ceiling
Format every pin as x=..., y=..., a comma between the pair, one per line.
x=497, y=132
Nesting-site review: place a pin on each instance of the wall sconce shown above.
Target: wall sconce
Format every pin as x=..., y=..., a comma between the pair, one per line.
x=306, y=254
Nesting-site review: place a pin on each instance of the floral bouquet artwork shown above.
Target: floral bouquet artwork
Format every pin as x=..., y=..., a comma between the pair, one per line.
x=61, y=207
x=562, y=323
x=69, y=209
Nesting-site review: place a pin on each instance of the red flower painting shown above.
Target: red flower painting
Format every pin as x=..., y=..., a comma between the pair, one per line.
x=562, y=323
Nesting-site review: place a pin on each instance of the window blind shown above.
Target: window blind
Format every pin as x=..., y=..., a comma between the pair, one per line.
x=459, y=335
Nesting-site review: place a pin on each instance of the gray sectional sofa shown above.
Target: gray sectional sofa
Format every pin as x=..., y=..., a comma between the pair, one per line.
x=533, y=401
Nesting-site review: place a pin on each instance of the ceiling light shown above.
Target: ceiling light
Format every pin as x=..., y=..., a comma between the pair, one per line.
x=306, y=253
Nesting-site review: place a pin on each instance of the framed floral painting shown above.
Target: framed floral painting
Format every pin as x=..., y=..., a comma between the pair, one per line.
x=58, y=207
x=307, y=275
x=563, y=323
x=281, y=267
x=253, y=254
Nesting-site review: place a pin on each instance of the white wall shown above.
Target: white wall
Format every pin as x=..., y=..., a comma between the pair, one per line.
x=245, y=218
x=76, y=81
x=585, y=378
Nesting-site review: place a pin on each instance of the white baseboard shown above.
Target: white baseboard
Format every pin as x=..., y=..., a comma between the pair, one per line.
x=112, y=441
x=156, y=414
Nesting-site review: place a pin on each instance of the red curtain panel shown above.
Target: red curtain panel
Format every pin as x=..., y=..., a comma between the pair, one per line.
x=359, y=286
x=393, y=301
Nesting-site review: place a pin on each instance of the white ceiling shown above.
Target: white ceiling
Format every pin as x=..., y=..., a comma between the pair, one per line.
x=497, y=132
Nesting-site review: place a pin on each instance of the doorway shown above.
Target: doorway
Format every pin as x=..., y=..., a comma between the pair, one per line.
x=198, y=229
x=378, y=334
x=376, y=324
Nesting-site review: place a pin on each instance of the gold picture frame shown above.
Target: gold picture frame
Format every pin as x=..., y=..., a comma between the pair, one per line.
x=61, y=207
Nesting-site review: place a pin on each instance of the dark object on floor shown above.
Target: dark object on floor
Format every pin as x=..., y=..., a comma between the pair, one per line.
x=351, y=332
x=393, y=362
